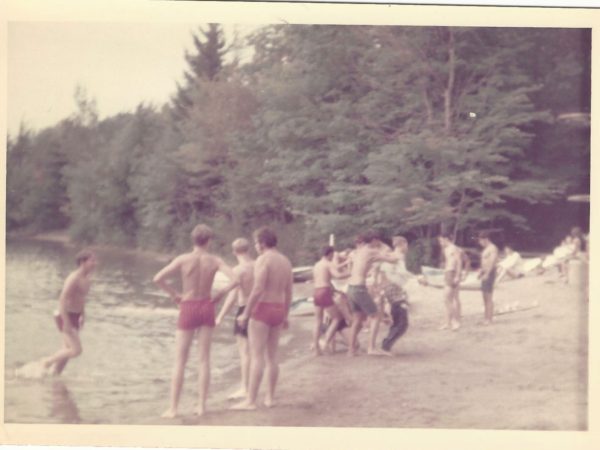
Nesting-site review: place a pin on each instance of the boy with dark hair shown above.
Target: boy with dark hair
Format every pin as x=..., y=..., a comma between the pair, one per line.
x=71, y=311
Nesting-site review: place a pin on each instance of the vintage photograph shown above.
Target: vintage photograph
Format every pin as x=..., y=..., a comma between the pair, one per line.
x=297, y=225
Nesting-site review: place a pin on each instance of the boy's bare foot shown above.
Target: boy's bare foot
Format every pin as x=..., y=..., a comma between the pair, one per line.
x=269, y=402
x=444, y=326
x=169, y=414
x=199, y=411
x=244, y=406
x=455, y=326
x=240, y=393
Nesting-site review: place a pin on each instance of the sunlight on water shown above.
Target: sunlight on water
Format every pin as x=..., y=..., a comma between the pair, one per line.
x=128, y=340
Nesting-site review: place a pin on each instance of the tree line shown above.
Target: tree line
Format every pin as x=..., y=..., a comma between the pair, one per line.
x=327, y=129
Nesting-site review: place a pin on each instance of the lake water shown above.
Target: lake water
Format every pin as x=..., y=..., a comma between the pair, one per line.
x=128, y=341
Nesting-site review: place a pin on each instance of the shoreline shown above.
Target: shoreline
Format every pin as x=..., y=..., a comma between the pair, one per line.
x=62, y=237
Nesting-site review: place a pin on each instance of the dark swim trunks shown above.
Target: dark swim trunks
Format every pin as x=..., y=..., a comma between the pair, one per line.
x=272, y=314
x=196, y=313
x=73, y=319
x=237, y=329
x=361, y=300
x=487, y=284
x=323, y=297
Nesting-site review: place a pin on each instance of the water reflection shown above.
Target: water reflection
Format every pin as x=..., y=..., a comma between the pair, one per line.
x=63, y=407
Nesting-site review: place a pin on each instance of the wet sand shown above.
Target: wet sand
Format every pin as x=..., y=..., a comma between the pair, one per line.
x=526, y=371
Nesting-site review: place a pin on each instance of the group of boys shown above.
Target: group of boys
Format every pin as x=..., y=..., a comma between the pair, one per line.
x=262, y=289
x=376, y=275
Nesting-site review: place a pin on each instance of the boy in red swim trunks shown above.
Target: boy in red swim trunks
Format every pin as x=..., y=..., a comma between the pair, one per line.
x=70, y=315
x=266, y=311
x=323, y=272
x=196, y=310
x=245, y=272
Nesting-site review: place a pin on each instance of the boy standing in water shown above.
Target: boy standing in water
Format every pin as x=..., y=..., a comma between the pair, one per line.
x=245, y=273
x=71, y=308
x=197, y=270
x=266, y=314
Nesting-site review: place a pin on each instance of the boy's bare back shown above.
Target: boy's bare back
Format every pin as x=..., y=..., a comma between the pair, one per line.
x=245, y=273
x=198, y=271
x=277, y=272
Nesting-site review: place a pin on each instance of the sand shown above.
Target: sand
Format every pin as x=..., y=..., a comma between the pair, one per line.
x=526, y=371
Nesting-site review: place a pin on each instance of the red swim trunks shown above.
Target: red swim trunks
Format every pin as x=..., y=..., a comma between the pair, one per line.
x=323, y=297
x=196, y=313
x=73, y=319
x=273, y=314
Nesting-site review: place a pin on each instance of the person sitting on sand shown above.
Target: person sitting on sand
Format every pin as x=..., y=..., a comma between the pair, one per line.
x=245, y=273
x=510, y=265
x=323, y=272
x=487, y=274
x=368, y=251
x=266, y=314
x=71, y=311
x=453, y=268
x=197, y=270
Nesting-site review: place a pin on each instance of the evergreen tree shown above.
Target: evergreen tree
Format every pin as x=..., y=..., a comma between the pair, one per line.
x=206, y=63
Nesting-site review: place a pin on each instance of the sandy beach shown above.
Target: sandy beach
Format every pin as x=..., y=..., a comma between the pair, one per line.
x=527, y=371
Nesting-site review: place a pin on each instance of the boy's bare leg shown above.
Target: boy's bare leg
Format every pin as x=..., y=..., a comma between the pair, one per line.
x=336, y=318
x=357, y=319
x=272, y=364
x=71, y=349
x=456, y=312
x=60, y=365
x=183, y=340
x=317, y=330
x=244, y=366
x=448, y=301
x=488, y=305
x=204, y=340
x=375, y=320
x=258, y=334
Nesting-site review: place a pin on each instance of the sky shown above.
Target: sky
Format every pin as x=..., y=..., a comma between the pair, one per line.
x=118, y=64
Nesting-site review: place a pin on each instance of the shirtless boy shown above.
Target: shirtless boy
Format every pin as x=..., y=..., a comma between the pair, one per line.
x=266, y=314
x=487, y=274
x=197, y=270
x=323, y=272
x=245, y=273
x=71, y=308
x=368, y=251
x=452, y=278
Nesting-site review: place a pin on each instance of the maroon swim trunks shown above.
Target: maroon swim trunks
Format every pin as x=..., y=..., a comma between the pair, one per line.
x=73, y=319
x=272, y=314
x=323, y=297
x=196, y=313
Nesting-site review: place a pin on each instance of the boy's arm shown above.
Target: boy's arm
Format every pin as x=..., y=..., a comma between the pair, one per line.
x=232, y=275
x=160, y=279
x=288, y=298
x=334, y=270
x=230, y=300
x=387, y=257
